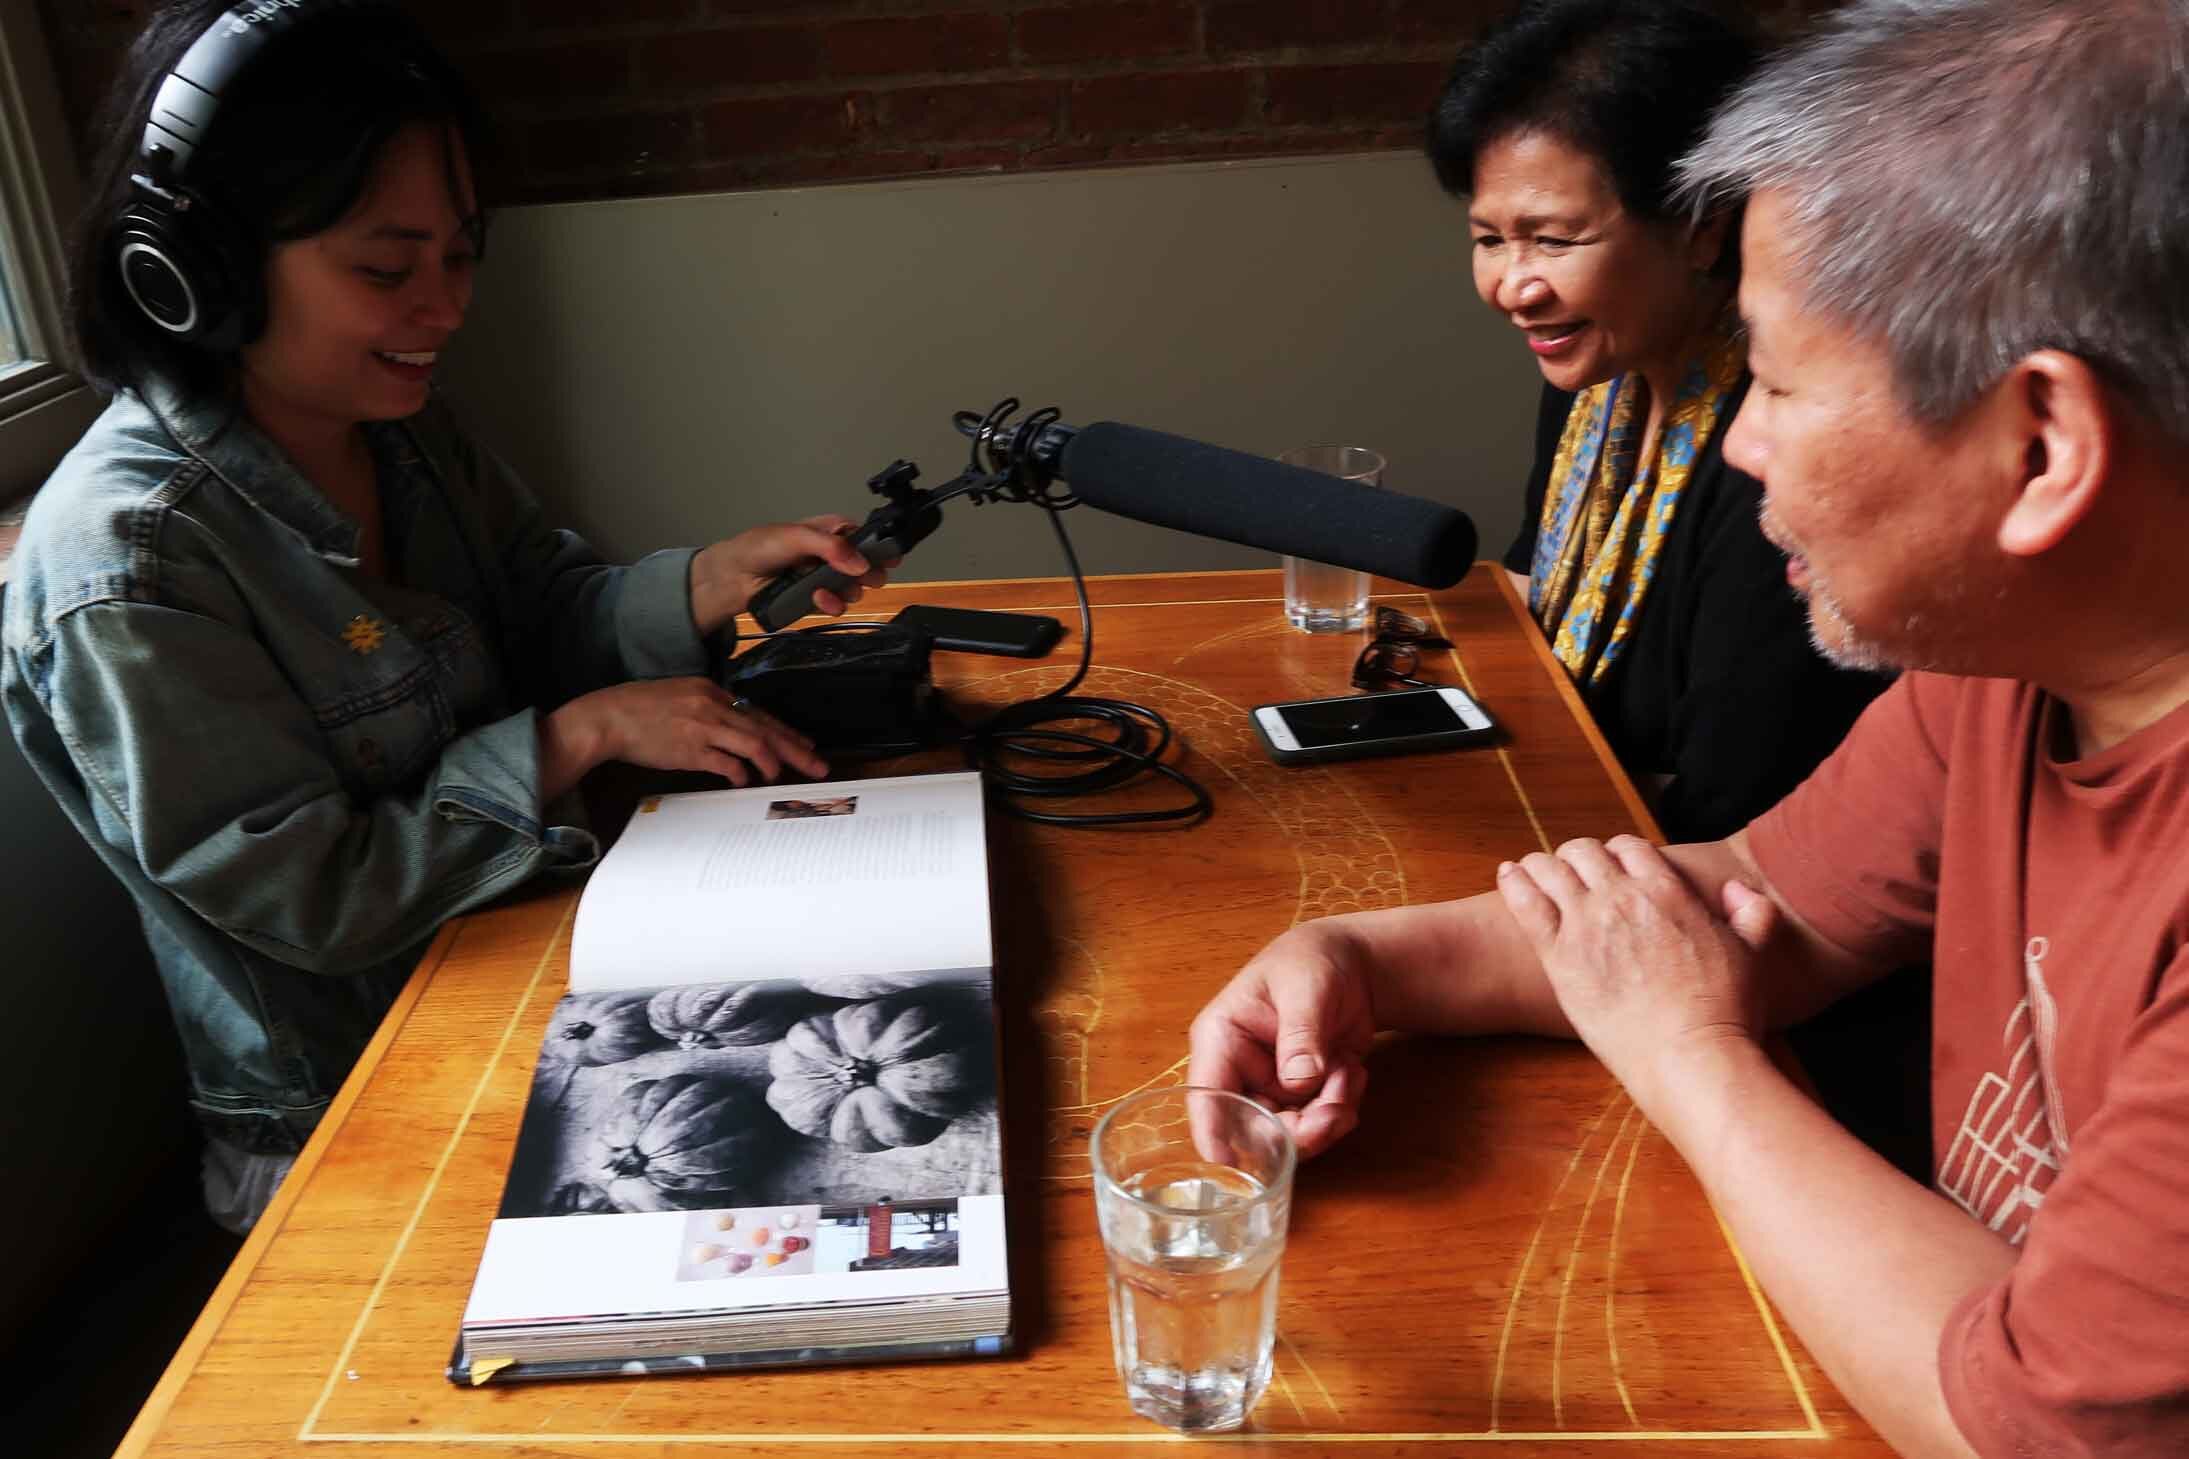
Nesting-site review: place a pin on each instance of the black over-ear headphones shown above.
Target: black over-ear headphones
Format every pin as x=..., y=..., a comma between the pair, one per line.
x=188, y=267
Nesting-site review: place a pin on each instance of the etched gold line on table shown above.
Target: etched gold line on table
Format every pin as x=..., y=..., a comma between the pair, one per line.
x=1504, y=755
x=1771, y=1325
x=1233, y=636
x=1611, y=1275
x=440, y=1166
x=1573, y=1264
x=1527, y=1258
x=1133, y=1436
x=1309, y=1370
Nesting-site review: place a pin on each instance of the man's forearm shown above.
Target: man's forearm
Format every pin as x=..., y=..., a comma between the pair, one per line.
x=1865, y=1264
x=1458, y=967
x=1464, y=967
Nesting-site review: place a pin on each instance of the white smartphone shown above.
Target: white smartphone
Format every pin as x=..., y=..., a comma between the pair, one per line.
x=1398, y=723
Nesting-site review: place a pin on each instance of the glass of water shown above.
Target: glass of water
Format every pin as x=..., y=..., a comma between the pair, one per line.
x=1320, y=598
x=1193, y=1188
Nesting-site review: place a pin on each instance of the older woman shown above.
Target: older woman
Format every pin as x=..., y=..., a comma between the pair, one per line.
x=1639, y=552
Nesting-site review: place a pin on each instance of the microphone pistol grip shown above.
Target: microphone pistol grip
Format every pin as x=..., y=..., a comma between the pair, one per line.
x=889, y=532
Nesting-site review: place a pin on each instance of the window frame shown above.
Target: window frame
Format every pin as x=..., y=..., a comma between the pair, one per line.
x=44, y=404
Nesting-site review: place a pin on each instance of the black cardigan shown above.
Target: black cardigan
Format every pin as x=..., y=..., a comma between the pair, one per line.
x=1719, y=686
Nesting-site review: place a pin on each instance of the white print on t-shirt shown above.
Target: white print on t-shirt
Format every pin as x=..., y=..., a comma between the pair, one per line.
x=2013, y=1136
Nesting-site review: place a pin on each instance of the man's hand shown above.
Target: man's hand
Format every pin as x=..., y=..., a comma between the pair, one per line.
x=670, y=724
x=1641, y=966
x=1291, y=1029
x=726, y=575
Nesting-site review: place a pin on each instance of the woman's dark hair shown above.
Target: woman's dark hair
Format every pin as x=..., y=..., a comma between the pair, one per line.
x=289, y=153
x=1632, y=83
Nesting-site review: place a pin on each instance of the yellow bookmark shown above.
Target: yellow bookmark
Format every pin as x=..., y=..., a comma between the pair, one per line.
x=485, y=1368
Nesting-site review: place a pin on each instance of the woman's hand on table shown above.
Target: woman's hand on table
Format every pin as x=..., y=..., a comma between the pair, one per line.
x=726, y=575
x=670, y=724
x=1292, y=1030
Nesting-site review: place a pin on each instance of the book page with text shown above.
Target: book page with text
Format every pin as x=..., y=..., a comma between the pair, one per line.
x=856, y=876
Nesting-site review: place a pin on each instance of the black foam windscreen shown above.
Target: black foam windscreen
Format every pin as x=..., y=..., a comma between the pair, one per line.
x=1212, y=491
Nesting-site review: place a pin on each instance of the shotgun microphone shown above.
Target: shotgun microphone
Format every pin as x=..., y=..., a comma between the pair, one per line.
x=1165, y=480
x=1212, y=491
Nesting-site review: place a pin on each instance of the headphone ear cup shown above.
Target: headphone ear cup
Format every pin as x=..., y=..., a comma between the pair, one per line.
x=181, y=269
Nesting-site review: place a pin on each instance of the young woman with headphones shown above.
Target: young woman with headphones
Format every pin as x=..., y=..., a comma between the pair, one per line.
x=298, y=658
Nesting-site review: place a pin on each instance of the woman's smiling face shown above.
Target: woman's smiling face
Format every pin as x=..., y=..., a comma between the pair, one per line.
x=1597, y=291
x=356, y=315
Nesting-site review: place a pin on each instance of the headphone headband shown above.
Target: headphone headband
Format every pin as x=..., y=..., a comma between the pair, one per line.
x=190, y=96
x=185, y=269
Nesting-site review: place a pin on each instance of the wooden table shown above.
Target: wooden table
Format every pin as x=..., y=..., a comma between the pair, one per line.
x=1505, y=1254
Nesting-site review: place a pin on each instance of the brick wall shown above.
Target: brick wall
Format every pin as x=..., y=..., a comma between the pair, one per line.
x=605, y=98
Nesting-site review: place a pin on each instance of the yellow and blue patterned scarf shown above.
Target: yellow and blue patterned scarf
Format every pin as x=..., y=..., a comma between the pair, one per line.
x=1606, y=515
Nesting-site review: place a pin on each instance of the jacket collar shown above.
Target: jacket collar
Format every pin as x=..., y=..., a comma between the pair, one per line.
x=214, y=430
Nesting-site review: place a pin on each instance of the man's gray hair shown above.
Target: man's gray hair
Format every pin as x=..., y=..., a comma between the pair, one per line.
x=1972, y=180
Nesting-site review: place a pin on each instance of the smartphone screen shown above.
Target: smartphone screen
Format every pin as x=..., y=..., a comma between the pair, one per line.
x=1322, y=722
x=1372, y=724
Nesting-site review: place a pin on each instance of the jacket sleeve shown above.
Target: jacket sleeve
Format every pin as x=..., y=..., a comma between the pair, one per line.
x=197, y=751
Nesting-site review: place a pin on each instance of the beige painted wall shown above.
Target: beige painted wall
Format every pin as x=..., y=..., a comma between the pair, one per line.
x=669, y=370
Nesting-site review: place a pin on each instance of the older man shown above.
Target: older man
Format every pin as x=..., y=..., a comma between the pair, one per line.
x=1966, y=278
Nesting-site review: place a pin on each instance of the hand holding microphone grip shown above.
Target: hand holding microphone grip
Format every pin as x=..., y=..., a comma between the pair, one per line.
x=888, y=533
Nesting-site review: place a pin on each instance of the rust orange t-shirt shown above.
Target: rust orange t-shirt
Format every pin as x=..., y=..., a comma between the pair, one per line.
x=2051, y=895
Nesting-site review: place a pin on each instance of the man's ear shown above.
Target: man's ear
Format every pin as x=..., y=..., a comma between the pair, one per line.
x=1706, y=241
x=2059, y=412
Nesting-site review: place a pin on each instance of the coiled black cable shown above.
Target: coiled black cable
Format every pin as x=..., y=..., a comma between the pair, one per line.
x=1138, y=737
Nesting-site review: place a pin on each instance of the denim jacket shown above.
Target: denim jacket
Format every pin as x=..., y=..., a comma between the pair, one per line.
x=298, y=772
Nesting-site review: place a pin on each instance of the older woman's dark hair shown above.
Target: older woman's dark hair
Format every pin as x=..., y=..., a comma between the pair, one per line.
x=1631, y=83
x=288, y=155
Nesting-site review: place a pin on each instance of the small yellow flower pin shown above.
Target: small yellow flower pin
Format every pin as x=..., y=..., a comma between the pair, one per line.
x=364, y=634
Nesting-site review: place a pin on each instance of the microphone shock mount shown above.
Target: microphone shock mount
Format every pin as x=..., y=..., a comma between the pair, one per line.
x=1006, y=463
x=1013, y=463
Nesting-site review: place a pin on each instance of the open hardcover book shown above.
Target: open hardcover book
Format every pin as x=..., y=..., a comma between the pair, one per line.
x=763, y=1125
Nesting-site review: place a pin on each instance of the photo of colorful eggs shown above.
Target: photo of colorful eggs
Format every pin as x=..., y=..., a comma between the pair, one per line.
x=771, y=1241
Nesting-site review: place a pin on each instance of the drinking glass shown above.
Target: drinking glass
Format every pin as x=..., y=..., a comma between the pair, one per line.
x=1193, y=1188
x=1320, y=598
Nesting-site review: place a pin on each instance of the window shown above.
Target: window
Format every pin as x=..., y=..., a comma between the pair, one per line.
x=12, y=351
x=43, y=406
